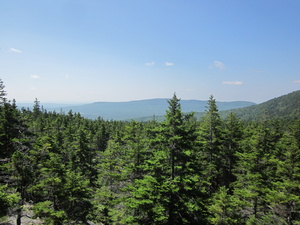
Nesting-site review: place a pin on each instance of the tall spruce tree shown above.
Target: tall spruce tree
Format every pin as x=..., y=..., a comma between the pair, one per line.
x=14, y=147
x=168, y=193
x=223, y=207
x=211, y=154
x=232, y=136
x=2, y=92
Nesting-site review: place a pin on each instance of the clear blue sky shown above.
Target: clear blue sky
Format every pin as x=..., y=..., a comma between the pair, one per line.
x=120, y=50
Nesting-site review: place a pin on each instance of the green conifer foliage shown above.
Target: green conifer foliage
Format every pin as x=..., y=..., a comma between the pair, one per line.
x=232, y=136
x=168, y=193
x=283, y=198
x=8, y=200
x=223, y=208
x=12, y=128
x=210, y=154
x=14, y=146
x=71, y=170
x=112, y=178
x=2, y=93
x=255, y=173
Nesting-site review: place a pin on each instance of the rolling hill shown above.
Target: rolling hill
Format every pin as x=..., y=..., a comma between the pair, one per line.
x=143, y=108
x=286, y=107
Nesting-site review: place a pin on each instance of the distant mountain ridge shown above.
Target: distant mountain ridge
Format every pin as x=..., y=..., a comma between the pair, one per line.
x=143, y=108
x=284, y=107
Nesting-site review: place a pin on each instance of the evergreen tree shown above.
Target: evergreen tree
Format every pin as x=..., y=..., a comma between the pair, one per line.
x=223, y=208
x=180, y=171
x=168, y=193
x=12, y=128
x=8, y=200
x=112, y=178
x=232, y=136
x=211, y=152
x=2, y=93
x=283, y=198
x=62, y=193
x=14, y=148
x=255, y=173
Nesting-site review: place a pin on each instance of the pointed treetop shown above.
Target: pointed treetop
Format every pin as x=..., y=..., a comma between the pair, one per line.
x=174, y=112
x=2, y=92
x=212, y=105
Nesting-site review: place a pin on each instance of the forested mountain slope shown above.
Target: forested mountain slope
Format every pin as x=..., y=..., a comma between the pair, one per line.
x=286, y=107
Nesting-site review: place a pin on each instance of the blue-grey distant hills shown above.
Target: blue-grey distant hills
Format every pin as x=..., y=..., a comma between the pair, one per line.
x=285, y=107
x=143, y=108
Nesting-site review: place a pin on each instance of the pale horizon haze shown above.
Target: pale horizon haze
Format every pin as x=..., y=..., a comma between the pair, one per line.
x=71, y=51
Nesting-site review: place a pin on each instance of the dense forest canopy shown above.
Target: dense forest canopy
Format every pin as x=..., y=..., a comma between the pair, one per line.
x=67, y=169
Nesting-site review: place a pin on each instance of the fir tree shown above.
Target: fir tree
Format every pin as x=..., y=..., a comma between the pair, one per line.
x=168, y=193
x=210, y=138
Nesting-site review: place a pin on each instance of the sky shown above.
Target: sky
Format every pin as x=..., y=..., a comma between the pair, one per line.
x=73, y=51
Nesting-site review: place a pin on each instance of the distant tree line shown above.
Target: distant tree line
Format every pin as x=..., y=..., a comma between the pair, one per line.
x=71, y=170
